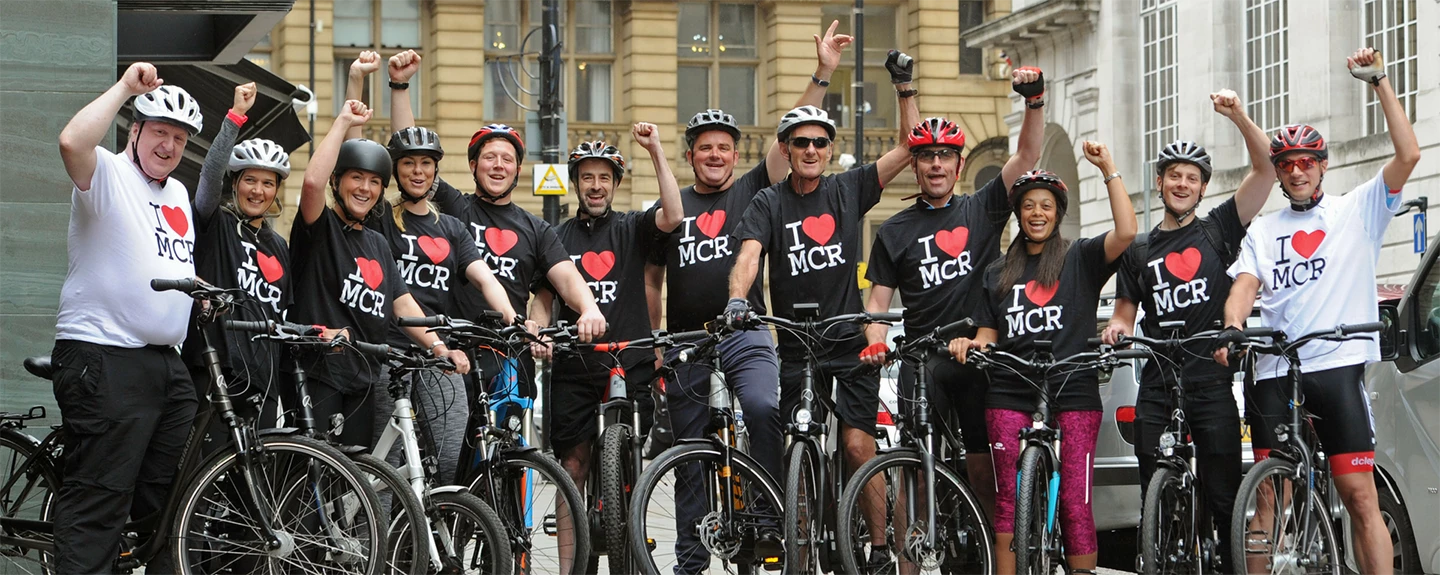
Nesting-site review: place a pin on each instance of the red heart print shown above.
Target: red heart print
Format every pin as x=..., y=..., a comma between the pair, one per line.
x=1184, y=264
x=710, y=222
x=435, y=248
x=598, y=264
x=819, y=228
x=177, y=219
x=269, y=266
x=500, y=241
x=953, y=241
x=371, y=271
x=1305, y=243
x=1039, y=294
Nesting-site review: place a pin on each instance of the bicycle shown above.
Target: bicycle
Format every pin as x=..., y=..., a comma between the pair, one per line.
x=949, y=532
x=501, y=464
x=1037, y=539
x=744, y=500
x=268, y=500
x=1293, y=539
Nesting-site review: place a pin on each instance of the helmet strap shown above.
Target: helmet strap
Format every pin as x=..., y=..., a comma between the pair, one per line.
x=485, y=194
x=345, y=215
x=1307, y=204
x=1180, y=217
x=135, y=156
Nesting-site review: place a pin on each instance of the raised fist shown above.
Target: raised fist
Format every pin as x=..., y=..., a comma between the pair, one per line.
x=141, y=78
x=365, y=64
x=1367, y=64
x=901, y=67
x=1028, y=82
x=244, y=98
x=403, y=66
x=1227, y=103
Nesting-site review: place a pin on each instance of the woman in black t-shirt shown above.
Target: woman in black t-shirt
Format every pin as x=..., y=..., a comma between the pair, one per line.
x=346, y=275
x=1048, y=288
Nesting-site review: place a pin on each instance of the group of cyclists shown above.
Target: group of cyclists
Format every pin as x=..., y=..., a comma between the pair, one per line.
x=360, y=256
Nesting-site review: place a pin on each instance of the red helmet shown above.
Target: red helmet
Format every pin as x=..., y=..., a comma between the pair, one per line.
x=496, y=131
x=1298, y=138
x=937, y=132
x=1040, y=179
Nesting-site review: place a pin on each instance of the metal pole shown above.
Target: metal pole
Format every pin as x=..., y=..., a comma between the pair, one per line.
x=858, y=17
x=312, y=76
x=550, y=102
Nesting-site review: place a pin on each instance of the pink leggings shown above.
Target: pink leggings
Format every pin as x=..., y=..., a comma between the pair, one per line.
x=1078, y=430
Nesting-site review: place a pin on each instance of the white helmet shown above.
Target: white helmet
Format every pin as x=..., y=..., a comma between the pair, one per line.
x=260, y=153
x=802, y=116
x=170, y=104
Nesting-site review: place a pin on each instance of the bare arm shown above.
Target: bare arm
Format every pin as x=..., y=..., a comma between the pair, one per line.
x=879, y=302
x=671, y=211
x=960, y=347
x=577, y=295
x=406, y=306
x=317, y=173
x=1402, y=134
x=480, y=275
x=364, y=65
x=1237, y=309
x=1120, y=208
x=747, y=265
x=1122, y=321
x=1032, y=133
x=402, y=67
x=1256, y=186
x=827, y=57
x=654, y=283
x=84, y=131
x=898, y=158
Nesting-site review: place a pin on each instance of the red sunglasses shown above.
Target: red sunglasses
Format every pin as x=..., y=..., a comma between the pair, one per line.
x=1304, y=163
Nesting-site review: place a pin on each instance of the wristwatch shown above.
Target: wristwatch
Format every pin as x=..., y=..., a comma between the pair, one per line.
x=1111, y=177
x=438, y=343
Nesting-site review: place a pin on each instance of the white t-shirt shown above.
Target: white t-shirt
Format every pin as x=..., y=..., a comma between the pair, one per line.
x=124, y=232
x=1317, y=271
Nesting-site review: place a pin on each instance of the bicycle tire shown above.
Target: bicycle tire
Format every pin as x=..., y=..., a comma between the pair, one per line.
x=758, y=488
x=969, y=532
x=615, y=469
x=295, y=469
x=35, y=499
x=1274, y=473
x=1168, y=542
x=497, y=486
x=1033, y=535
x=802, y=551
x=408, y=551
x=469, y=535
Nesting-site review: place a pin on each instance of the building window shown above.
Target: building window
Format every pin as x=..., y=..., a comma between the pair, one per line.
x=878, y=102
x=1267, y=62
x=260, y=54
x=716, y=47
x=513, y=41
x=1390, y=27
x=358, y=24
x=972, y=14
x=1158, y=85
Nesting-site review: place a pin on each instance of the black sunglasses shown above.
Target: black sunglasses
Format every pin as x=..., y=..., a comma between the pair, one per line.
x=802, y=142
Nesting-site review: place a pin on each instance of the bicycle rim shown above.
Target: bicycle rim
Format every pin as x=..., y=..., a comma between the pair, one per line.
x=1285, y=538
x=1167, y=526
x=802, y=510
x=30, y=497
x=616, y=478
x=533, y=496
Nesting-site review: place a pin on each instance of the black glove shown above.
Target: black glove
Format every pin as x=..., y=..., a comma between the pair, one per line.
x=1230, y=339
x=737, y=312
x=901, y=67
x=1030, y=90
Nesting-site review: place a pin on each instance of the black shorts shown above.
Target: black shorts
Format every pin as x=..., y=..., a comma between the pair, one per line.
x=1209, y=408
x=1339, y=411
x=578, y=387
x=947, y=378
x=857, y=400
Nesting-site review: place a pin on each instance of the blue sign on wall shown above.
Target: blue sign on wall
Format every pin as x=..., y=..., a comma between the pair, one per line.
x=1420, y=233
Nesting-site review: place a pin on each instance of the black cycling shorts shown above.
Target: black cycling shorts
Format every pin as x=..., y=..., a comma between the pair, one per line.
x=857, y=397
x=1339, y=411
x=578, y=385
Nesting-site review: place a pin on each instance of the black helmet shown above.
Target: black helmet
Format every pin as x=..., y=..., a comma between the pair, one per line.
x=710, y=120
x=1184, y=151
x=415, y=140
x=363, y=154
x=1040, y=179
x=600, y=151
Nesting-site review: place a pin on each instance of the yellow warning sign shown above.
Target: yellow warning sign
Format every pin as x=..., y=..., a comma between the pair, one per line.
x=860, y=275
x=548, y=180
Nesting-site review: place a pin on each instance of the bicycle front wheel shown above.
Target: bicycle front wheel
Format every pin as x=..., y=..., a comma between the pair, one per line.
x=324, y=516
x=616, y=478
x=1281, y=527
x=468, y=535
x=28, y=488
x=802, y=509
x=1036, y=535
x=1168, y=541
x=409, y=552
x=963, y=543
x=534, y=497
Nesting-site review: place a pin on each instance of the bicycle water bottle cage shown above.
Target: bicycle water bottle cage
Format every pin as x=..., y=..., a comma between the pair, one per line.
x=807, y=311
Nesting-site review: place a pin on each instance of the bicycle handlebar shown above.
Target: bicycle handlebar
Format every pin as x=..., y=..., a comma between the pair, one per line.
x=186, y=285
x=822, y=325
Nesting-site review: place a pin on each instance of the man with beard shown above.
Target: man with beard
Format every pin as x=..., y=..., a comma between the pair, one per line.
x=935, y=252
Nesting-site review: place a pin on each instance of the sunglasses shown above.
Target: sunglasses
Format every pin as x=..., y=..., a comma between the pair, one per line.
x=1303, y=163
x=932, y=155
x=802, y=142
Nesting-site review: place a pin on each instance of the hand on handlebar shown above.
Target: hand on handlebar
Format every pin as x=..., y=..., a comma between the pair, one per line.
x=339, y=336
x=737, y=313
x=461, y=361
x=960, y=347
x=874, y=354
x=1113, y=333
x=589, y=327
x=1228, y=345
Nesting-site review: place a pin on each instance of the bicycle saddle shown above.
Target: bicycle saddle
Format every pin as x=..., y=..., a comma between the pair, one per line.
x=39, y=366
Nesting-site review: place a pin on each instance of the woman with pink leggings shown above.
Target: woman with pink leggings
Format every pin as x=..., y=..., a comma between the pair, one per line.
x=1047, y=288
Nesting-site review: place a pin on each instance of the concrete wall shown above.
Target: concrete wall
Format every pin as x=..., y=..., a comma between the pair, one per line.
x=55, y=57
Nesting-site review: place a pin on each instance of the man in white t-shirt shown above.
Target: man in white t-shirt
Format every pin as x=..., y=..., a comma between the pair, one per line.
x=125, y=396
x=1313, y=266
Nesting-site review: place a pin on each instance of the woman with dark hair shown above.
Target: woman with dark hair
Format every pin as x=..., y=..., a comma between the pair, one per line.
x=1048, y=288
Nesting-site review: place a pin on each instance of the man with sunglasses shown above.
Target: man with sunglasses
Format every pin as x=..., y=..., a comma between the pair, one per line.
x=1313, y=266
x=935, y=253
x=809, y=225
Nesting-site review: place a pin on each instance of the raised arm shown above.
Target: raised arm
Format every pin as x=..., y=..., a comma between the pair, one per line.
x=902, y=73
x=364, y=65
x=84, y=131
x=572, y=288
x=827, y=57
x=1120, y=208
x=317, y=173
x=1030, y=84
x=1368, y=65
x=209, y=190
x=403, y=66
x=1256, y=186
x=671, y=211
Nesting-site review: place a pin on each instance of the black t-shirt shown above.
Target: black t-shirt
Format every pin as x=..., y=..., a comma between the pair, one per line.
x=1179, y=275
x=519, y=247
x=937, y=257
x=1063, y=313
x=431, y=255
x=231, y=254
x=349, y=280
x=699, y=254
x=610, y=253
x=813, y=242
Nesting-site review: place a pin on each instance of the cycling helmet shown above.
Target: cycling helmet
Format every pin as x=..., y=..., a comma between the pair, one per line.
x=1184, y=151
x=367, y=155
x=597, y=150
x=1298, y=138
x=170, y=104
x=710, y=120
x=802, y=116
x=1040, y=179
x=937, y=132
x=262, y=154
x=478, y=140
x=415, y=140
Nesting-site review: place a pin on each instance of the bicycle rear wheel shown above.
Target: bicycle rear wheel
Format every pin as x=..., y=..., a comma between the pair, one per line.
x=408, y=552
x=1036, y=547
x=802, y=509
x=31, y=497
x=1168, y=541
x=616, y=478
x=964, y=542
x=1271, y=532
x=468, y=534
x=534, y=498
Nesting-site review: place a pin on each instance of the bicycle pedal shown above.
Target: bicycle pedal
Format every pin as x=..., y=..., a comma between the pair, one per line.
x=550, y=525
x=772, y=564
